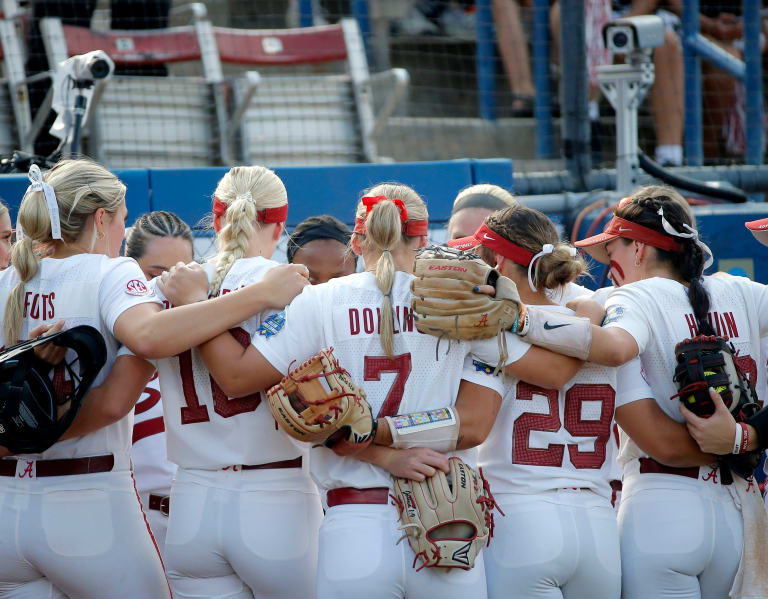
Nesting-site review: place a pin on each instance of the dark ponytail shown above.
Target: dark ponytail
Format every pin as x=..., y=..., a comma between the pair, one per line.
x=688, y=262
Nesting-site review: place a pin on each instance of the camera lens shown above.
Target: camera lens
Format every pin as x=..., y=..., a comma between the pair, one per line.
x=99, y=69
x=620, y=39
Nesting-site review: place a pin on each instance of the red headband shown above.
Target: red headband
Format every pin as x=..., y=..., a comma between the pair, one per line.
x=413, y=228
x=622, y=227
x=268, y=215
x=493, y=241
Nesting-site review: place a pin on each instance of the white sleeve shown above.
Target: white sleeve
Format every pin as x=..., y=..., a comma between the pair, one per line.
x=622, y=310
x=123, y=286
x=481, y=374
x=298, y=337
x=760, y=293
x=630, y=383
x=487, y=350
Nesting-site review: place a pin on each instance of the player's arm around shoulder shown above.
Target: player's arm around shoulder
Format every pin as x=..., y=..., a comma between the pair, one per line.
x=114, y=398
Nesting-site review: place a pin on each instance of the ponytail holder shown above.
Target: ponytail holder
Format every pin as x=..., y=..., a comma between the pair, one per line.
x=692, y=234
x=37, y=184
x=547, y=248
x=370, y=201
x=247, y=196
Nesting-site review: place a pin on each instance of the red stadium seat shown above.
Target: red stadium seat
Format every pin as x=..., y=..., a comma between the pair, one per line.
x=151, y=121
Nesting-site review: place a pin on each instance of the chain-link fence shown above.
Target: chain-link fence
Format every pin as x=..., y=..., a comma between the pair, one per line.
x=200, y=84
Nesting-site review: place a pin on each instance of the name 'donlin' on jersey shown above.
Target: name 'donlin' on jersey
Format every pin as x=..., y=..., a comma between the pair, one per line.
x=366, y=321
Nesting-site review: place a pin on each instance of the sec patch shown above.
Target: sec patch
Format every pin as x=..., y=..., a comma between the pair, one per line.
x=138, y=288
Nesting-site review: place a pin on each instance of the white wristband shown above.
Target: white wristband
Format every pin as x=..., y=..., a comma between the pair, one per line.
x=737, y=441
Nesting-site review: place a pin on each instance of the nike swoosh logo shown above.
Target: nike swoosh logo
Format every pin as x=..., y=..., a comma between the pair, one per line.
x=549, y=327
x=485, y=236
x=622, y=229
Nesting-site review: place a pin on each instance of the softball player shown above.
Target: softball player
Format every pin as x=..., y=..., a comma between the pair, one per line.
x=366, y=318
x=473, y=204
x=321, y=243
x=71, y=516
x=156, y=241
x=559, y=538
x=681, y=531
x=244, y=513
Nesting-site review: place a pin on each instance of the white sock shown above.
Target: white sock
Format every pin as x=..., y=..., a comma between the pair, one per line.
x=669, y=154
x=594, y=110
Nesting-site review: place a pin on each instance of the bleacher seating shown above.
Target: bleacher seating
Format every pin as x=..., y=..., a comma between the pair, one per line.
x=150, y=121
x=292, y=117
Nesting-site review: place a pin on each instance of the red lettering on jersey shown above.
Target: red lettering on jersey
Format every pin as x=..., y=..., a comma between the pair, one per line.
x=51, y=313
x=34, y=311
x=407, y=320
x=26, y=302
x=691, y=320
x=166, y=305
x=730, y=321
x=711, y=475
x=751, y=485
x=368, y=320
x=396, y=320
x=28, y=469
x=354, y=321
x=224, y=291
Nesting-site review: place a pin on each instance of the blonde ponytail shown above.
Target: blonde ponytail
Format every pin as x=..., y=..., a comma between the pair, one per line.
x=383, y=232
x=81, y=187
x=246, y=190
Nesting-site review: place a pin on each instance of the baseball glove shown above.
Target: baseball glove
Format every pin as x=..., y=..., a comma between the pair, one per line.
x=447, y=518
x=707, y=361
x=444, y=302
x=318, y=403
x=35, y=410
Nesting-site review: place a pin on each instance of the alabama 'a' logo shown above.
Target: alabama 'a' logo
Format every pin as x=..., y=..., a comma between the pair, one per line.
x=137, y=288
x=461, y=555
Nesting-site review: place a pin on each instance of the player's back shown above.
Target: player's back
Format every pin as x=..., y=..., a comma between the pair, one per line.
x=547, y=439
x=205, y=429
x=85, y=289
x=345, y=314
x=658, y=314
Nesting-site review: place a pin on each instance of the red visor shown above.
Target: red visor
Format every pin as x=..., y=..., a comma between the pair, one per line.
x=759, y=229
x=487, y=237
x=620, y=227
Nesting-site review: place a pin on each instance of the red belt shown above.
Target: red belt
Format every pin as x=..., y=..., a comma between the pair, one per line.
x=379, y=495
x=616, y=485
x=651, y=466
x=102, y=463
x=161, y=503
x=295, y=463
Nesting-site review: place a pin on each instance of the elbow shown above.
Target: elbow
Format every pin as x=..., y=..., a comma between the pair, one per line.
x=233, y=388
x=618, y=356
x=471, y=437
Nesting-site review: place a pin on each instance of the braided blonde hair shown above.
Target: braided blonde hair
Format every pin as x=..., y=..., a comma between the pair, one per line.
x=245, y=190
x=383, y=233
x=81, y=188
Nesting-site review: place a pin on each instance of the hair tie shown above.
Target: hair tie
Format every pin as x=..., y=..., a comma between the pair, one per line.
x=547, y=248
x=370, y=201
x=37, y=184
x=692, y=234
x=247, y=196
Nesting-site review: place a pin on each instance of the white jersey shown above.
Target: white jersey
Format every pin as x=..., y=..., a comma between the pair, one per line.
x=151, y=468
x=344, y=314
x=546, y=439
x=85, y=289
x=658, y=315
x=204, y=428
